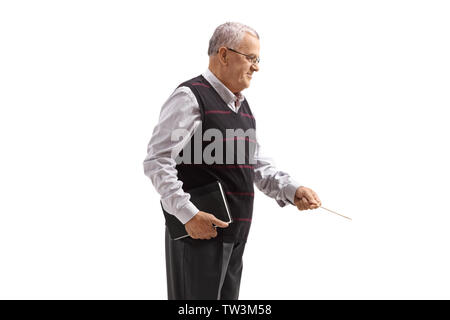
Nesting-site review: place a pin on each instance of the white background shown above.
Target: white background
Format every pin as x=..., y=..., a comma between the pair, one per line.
x=351, y=100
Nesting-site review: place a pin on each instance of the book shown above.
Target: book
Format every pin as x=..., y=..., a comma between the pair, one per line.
x=209, y=198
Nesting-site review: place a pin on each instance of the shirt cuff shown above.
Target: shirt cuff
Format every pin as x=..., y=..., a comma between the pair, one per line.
x=290, y=190
x=187, y=212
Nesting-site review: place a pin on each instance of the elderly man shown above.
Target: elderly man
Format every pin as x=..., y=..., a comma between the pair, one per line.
x=208, y=263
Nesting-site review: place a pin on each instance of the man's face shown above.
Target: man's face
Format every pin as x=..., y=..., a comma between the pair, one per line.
x=240, y=69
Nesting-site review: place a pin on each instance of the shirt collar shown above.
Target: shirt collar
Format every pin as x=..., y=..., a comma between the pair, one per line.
x=225, y=93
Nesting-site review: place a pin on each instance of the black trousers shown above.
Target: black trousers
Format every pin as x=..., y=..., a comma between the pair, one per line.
x=203, y=269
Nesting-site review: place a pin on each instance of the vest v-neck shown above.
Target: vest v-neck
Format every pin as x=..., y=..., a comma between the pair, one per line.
x=220, y=97
x=220, y=84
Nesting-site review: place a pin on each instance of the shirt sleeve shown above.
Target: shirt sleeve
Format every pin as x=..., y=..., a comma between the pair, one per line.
x=180, y=112
x=274, y=183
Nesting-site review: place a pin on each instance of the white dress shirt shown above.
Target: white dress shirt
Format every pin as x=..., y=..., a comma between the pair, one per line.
x=181, y=110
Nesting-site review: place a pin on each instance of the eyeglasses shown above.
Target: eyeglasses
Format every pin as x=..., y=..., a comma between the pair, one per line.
x=251, y=58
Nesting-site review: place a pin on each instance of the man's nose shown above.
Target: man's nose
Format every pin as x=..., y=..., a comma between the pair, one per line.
x=255, y=67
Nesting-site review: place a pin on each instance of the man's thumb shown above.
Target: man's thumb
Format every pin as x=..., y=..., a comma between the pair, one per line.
x=218, y=222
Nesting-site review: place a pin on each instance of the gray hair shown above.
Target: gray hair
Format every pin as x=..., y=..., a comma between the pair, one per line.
x=229, y=34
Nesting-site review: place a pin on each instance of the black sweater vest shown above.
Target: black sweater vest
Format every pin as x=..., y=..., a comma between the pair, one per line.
x=235, y=172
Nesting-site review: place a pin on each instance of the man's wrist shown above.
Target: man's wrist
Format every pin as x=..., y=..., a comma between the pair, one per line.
x=187, y=212
x=290, y=191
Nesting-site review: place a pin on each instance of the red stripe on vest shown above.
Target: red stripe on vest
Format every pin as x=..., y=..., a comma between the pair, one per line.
x=247, y=115
x=223, y=166
x=217, y=111
x=200, y=84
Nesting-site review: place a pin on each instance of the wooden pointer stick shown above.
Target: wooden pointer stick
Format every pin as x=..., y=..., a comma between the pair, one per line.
x=336, y=213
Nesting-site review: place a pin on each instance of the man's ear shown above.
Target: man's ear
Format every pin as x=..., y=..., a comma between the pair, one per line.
x=222, y=54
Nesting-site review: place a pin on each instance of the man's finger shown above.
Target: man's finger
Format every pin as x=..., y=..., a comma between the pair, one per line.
x=310, y=197
x=316, y=197
x=219, y=223
x=313, y=206
x=305, y=203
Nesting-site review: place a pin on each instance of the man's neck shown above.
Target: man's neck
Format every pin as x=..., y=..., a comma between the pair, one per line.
x=221, y=78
